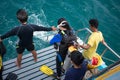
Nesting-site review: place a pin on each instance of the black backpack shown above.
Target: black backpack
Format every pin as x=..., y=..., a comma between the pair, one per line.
x=11, y=76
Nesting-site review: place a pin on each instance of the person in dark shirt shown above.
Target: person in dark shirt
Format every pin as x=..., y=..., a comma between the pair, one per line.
x=25, y=35
x=77, y=71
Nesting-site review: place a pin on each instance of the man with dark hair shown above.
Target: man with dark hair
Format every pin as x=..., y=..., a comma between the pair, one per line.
x=94, y=22
x=77, y=71
x=93, y=41
x=25, y=34
x=22, y=16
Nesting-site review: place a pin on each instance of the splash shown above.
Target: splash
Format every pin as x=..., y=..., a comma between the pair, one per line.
x=40, y=19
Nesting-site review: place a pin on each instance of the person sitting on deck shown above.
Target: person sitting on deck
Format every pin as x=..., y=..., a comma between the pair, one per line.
x=79, y=68
x=25, y=35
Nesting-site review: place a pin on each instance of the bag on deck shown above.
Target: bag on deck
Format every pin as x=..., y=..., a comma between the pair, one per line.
x=11, y=76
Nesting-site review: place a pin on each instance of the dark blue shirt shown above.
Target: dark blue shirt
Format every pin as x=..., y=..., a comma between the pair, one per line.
x=76, y=73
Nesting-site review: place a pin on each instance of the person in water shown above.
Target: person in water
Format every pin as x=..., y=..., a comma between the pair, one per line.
x=25, y=35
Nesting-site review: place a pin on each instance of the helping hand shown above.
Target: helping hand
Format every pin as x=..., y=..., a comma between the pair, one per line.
x=53, y=28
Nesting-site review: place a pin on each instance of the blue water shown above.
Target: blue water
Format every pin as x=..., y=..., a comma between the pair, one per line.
x=47, y=12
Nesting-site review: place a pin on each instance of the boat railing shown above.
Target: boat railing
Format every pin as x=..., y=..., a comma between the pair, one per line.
x=106, y=46
x=105, y=70
x=86, y=38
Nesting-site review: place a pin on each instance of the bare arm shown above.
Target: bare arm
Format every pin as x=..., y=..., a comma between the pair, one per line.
x=53, y=28
x=103, y=41
x=85, y=46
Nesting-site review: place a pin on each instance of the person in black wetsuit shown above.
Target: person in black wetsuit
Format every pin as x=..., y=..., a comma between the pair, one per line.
x=67, y=37
x=25, y=34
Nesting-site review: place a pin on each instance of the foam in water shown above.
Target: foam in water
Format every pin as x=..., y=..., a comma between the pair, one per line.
x=39, y=19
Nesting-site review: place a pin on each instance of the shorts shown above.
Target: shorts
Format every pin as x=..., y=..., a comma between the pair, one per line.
x=20, y=49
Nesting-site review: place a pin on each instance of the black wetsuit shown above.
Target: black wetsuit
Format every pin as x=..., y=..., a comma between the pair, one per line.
x=25, y=33
x=63, y=48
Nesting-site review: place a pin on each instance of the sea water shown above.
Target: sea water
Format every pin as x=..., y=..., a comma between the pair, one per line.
x=47, y=12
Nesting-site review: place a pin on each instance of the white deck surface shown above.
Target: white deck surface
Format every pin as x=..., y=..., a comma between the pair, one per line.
x=29, y=69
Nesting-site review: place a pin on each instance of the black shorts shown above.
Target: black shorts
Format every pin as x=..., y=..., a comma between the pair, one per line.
x=20, y=49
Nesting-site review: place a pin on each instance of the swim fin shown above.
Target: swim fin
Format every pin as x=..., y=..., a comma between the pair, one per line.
x=45, y=69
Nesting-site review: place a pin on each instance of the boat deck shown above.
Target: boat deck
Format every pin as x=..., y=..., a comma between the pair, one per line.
x=113, y=74
x=29, y=69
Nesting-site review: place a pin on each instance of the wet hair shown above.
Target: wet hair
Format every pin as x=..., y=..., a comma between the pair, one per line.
x=77, y=57
x=93, y=23
x=63, y=23
x=22, y=15
x=60, y=20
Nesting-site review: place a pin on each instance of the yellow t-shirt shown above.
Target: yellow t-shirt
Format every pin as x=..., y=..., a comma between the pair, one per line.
x=0, y=62
x=93, y=41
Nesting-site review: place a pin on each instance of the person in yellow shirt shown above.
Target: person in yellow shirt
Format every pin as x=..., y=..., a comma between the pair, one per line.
x=1, y=68
x=95, y=38
x=90, y=48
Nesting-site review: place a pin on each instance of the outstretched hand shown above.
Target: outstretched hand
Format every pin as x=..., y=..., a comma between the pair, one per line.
x=53, y=28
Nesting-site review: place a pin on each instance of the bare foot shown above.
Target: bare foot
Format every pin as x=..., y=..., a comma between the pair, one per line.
x=19, y=66
x=35, y=60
